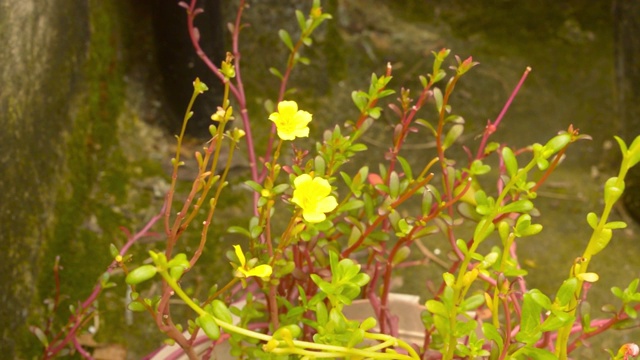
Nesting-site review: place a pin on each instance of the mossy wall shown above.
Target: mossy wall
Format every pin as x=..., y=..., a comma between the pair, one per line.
x=61, y=91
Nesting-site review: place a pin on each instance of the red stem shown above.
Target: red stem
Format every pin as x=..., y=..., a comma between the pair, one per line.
x=491, y=127
x=237, y=89
x=76, y=320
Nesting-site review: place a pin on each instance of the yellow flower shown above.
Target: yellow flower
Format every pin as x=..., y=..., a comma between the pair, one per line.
x=312, y=195
x=291, y=122
x=262, y=271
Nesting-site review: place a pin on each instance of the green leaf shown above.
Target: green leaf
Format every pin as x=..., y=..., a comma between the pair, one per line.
x=449, y=279
x=484, y=228
x=462, y=245
x=352, y=205
x=286, y=39
x=140, y=274
x=208, y=324
x=346, y=178
x=629, y=310
x=426, y=124
x=540, y=298
x=592, y=219
x=176, y=272
x=322, y=315
x=113, y=250
x=221, y=311
x=307, y=41
x=518, y=206
x=617, y=292
x=358, y=147
x=394, y=185
x=464, y=328
x=600, y=241
x=622, y=144
x=633, y=286
x=319, y=166
x=472, y=302
x=385, y=93
x=625, y=324
x=615, y=225
x=491, y=333
x=456, y=119
x=634, y=152
x=437, y=308
x=437, y=96
x=406, y=168
x=136, y=306
x=180, y=260
x=510, y=161
x=256, y=231
x=452, y=135
x=42, y=337
x=239, y=230
x=254, y=186
x=325, y=286
x=525, y=228
x=556, y=144
x=478, y=168
x=374, y=112
x=423, y=81
x=538, y=354
x=302, y=22
x=401, y=255
x=354, y=235
x=567, y=291
x=557, y=320
x=368, y=323
x=530, y=320
x=427, y=202
x=279, y=189
x=303, y=60
x=360, y=99
x=276, y=72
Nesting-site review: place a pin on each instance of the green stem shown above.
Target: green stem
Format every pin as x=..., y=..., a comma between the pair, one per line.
x=562, y=341
x=301, y=347
x=459, y=288
x=592, y=248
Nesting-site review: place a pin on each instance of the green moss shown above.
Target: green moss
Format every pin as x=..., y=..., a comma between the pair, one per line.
x=96, y=174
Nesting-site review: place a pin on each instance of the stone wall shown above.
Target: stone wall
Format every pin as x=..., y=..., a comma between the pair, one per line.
x=77, y=81
x=60, y=95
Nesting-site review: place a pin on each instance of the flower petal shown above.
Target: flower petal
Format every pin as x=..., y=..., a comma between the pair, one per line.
x=291, y=122
x=302, y=118
x=313, y=217
x=299, y=133
x=287, y=107
x=260, y=271
x=327, y=204
x=285, y=135
x=297, y=182
x=322, y=187
x=240, y=256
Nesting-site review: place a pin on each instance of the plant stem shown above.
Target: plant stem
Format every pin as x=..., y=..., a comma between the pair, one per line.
x=299, y=345
x=492, y=127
